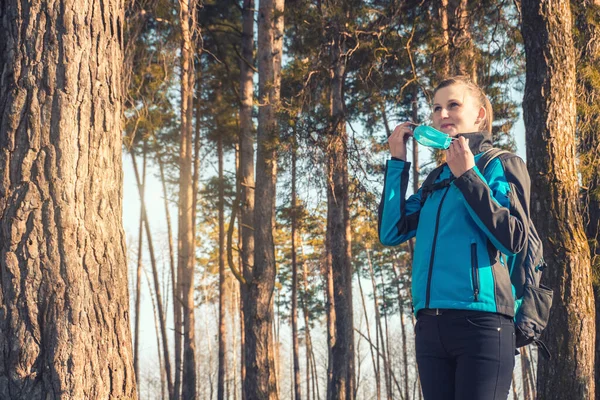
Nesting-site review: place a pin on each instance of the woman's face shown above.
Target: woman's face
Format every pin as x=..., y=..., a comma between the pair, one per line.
x=456, y=110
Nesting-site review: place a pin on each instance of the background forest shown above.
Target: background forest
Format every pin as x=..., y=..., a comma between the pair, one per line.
x=253, y=144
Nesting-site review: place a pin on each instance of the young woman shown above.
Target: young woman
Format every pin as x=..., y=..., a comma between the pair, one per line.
x=462, y=294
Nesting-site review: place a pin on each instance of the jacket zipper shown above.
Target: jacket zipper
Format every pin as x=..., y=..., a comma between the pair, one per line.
x=474, y=270
x=435, y=232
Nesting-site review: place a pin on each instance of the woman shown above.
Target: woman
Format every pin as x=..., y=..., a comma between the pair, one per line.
x=462, y=295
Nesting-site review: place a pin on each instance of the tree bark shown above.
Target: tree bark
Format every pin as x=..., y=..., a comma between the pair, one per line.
x=186, y=254
x=374, y=357
x=64, y=301
x=222, y=288
x=153, y=263
x=246, y=169
x=175, y=292
x=549, y=113
x=295, y=346
x=342, y=383
x=524, y=376
x=260, y=381
x=138, y=282
x=587, y=44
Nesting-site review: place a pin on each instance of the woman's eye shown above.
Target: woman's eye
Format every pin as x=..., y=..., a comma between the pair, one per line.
x=454, y=105
x=437, y=108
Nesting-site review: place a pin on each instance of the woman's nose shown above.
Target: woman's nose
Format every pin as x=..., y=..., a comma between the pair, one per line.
x=444, y=113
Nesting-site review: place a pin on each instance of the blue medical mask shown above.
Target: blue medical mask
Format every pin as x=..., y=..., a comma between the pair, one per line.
x=431, y=137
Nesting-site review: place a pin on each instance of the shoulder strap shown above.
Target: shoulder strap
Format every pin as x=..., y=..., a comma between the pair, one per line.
x=429, y=185
x=488, y=156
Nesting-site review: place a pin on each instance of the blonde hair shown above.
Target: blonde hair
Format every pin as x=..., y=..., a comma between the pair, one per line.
x=486, y=124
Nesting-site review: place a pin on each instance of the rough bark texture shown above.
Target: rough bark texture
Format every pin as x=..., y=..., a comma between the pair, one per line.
x=186, y=255
x=64, y=303
x=549, y=114
x=342, y=383
x=587, y=44
x=260, y=381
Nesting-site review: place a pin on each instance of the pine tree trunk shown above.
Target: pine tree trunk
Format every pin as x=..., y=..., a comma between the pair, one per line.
x=153, y=263
x=175, y=292
x=295, y=346
x=64, y=301
x=246, y=169
x=222, y=289
x=549, y=114
x=524, y=376
x=260, y=381
x=138, y=282
x=381, y=349
x=587, y=43
x=185, y=259
x=374, y=353
x=342, y=382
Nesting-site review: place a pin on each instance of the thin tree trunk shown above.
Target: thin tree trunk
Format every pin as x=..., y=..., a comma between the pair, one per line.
x=222, y=289
x=403, y=331
x=386, y=348
x=64, y=300
x=161, y=367
x=514, y=388
x=138, y=285
x=525, y=376
x=233, y=313
x=161, y=313
x=296, y=375
x=445, y=59
x=185, y=259
x=307, y=340
x=529, y=368
x=260, y=381
x=374, y=358
x=174, y=287
x=379, y=331
x=549, y=113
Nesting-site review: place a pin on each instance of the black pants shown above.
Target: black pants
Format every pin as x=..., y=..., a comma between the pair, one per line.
x=465, y=355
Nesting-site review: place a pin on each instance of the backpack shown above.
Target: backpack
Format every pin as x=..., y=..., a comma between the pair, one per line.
x=532, y=299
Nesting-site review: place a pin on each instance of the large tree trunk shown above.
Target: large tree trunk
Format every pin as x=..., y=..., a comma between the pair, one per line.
x=186, y=255
x=587, y=43
x=342, y=383
x=246, y=168
x=260, y=381
x=64, y=303
x=549, y=114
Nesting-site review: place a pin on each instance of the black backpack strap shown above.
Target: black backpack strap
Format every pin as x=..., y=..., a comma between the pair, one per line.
x=430, y=185
x=488, y=156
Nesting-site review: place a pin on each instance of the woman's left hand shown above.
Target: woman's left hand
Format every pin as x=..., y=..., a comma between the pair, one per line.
x=459, y=156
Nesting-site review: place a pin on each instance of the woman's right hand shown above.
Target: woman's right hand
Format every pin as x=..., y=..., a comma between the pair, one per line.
x=399, y=138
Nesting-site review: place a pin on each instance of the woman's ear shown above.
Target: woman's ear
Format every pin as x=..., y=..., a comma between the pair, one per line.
x=481, y=116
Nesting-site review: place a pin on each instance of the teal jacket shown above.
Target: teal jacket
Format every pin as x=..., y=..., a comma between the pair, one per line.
x=461, y=231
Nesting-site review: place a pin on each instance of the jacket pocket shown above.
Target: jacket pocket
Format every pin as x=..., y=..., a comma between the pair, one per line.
x=474, y=270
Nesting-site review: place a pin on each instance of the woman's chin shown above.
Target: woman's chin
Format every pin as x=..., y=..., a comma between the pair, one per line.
x=451, y=131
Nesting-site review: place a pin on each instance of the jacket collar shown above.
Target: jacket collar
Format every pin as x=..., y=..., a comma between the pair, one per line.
x=478, y=141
